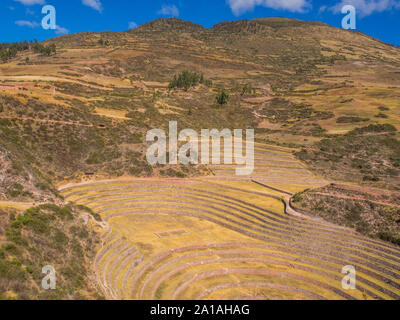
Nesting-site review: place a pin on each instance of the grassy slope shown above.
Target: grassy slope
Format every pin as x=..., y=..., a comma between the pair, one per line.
x=32, y=240
x=375, y=214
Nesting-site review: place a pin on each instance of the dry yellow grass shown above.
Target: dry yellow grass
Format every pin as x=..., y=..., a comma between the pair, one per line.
x=112, y=113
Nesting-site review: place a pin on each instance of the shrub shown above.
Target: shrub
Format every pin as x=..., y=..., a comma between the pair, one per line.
x=387, y=236
x=351, y=120
x=382, y=115
x=374, y=128
x=370, y=178
x=60, y=238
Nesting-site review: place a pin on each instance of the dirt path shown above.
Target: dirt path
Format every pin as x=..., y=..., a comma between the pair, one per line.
x=22, y=205
x=48, y=121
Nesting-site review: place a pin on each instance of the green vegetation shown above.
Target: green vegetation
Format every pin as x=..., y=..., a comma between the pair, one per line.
x=40, y=237
x=280, y=110
x=248, y=90
x=376, y=216
x=351, y=120
x=45, y=50
x=188, y=79
x=370, y=154
x=382, y=115
x=10, y=50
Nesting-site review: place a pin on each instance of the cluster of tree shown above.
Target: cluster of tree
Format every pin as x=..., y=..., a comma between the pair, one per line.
x=6, y=54
x=188, y=79
x=45, y=50
x=19, y=46
x=10, y=50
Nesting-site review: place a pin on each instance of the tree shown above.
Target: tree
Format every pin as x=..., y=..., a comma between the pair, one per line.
x=4, y=55
x=46, y=51
x=53, y=48
x=11, y=50
x=222, y=97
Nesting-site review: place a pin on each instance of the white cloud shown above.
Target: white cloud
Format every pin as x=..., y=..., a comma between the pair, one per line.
x=95, y=4
x=169, y=10
x=25, y=23
x=241, y=6
x=133, y=25
x=61, y=30
x=367, y=7
x=30, y=2
x=322, y=9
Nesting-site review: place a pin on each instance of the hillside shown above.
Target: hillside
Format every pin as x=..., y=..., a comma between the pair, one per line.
x=324, y=103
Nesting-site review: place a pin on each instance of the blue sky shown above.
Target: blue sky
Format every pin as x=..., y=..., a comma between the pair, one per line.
x=21, y=19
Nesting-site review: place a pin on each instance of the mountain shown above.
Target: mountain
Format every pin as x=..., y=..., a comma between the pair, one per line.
x=324, y=99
